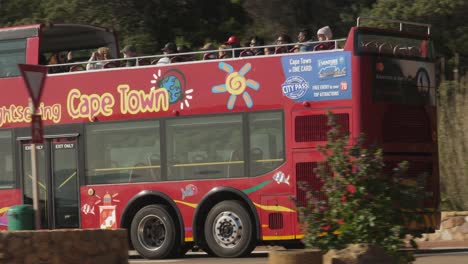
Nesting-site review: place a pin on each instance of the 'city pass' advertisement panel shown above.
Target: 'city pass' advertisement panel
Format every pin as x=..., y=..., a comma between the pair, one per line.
x=317, y=77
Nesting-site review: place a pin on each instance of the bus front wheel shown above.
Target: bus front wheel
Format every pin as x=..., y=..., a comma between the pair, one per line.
x=229, y=230
x=153, y=232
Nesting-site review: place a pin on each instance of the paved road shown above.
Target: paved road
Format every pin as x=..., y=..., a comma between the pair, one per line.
x=202, y=258
x=442, y=258
x=261, y=257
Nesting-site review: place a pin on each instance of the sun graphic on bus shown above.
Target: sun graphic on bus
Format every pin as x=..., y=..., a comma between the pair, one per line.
x=174, y=82
x=236, y=84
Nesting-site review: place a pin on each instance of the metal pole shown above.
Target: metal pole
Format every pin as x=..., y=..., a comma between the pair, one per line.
x=35, y=189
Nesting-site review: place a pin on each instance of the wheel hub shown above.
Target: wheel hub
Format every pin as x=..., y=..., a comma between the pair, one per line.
x=227, y=229
x=151, y=232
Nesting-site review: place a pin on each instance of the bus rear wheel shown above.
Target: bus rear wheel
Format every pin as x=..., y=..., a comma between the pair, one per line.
x=229, y=230
x=153, y=232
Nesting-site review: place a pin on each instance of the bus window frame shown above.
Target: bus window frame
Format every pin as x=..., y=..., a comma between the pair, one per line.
x=19, y=44
x=246, y=141
x=14, y=177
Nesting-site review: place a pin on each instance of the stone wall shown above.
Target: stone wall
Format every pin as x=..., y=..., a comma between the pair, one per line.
x=80, y=246
x=453, y=226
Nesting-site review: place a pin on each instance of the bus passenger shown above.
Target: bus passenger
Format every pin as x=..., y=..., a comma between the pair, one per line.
x=210, y=54
x=222, y=53
x=325, y=34
x=256, y=41
x=169, y=48
x=304, y=38
x=281, y=40
x=101, y=54
x=56, y=58
x=269, y=50
x=129, y=51
x=232, y=43
x=185, y=49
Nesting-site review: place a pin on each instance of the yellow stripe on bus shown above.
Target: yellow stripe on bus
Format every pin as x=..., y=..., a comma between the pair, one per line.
x=281, y=237
x=193, y=205
x=128, y=168
x=275, y=208
x=188, y=239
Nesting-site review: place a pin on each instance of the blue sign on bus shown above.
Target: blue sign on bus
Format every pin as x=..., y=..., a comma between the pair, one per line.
x=317, y=77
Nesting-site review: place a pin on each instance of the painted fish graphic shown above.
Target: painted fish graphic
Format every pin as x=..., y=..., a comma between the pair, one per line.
x=190, y=190
x=279, y=177
x=87, y=209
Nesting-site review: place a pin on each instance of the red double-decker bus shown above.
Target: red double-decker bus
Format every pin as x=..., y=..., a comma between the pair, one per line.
x=206, y=152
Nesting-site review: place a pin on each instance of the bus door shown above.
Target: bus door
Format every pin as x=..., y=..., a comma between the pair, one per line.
x=57, y=181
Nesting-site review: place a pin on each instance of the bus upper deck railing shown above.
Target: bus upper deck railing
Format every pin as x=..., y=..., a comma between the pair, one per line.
x=189, y=56
x=400, y=22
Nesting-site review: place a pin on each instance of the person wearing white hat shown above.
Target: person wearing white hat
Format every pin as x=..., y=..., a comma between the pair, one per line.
x=324, y=34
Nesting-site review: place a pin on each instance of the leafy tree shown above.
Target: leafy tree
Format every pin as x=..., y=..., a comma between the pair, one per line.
x=446, y=17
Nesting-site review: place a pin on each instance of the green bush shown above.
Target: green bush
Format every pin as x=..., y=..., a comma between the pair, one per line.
x=357, y=203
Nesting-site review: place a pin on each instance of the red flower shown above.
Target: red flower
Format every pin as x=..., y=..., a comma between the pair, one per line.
x=326, y=228
x=351, y=188
x=340, y=221
x=343, y=199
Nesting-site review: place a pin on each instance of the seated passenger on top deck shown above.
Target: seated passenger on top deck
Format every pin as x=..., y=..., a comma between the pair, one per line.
x=254, y=42
x=169, y=48
x=324, y=34
x=282, y=39
x=97, y=57
x=233, y=43
x=128, y=52
x=304, y=38
x=223, y=53
x=210, y=54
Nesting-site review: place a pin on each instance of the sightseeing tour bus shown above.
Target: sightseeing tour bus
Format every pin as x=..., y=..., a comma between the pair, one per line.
x=206, y=153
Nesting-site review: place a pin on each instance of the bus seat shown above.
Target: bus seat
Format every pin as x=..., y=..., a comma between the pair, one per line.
x=294, y=49
x=110, y=64
x=177, y=59
x=371, y=46
x=78, y=67
x=225, y=56
x=143, y=61
x=246, y=53
x=235, y=169
x=210, y=56
x=399, y=50
x=385, y=48
x=256, y=156
x=414, y=51
x=280, y=50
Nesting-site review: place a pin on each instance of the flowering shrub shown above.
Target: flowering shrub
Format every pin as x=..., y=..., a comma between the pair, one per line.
x=357, y=202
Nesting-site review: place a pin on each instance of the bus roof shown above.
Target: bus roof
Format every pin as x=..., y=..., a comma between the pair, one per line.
x=52, y=35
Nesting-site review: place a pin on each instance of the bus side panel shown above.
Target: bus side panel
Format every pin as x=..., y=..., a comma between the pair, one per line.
x=32, y=50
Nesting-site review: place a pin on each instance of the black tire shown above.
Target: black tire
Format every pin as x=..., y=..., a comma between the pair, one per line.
x=229, y=230
x=153, y=232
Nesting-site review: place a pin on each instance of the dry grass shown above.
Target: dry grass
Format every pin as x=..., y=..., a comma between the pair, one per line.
x=453, y=144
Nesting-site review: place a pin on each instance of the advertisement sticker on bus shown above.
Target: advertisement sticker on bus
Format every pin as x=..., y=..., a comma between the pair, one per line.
x=317, y=77
x=404, y=81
